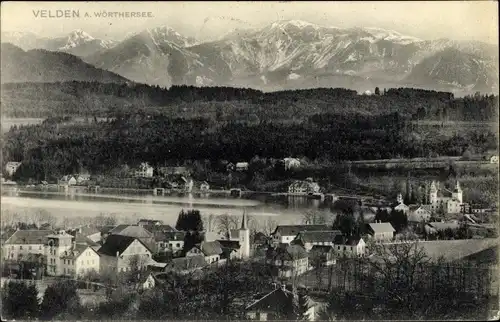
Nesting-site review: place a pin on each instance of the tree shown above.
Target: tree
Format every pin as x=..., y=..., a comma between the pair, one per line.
x=189, y=221
x=19, y=300
x=346, y=223
x=60, y=298
x=312, y=217
x=226, y=223
x=377, y=91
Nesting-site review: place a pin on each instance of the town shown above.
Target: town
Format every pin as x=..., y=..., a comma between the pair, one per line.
x=286, y=265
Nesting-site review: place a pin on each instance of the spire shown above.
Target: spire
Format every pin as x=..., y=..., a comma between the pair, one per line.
x=457, y=186
x=244, y=221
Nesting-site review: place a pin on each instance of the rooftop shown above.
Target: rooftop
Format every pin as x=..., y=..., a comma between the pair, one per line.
x=26, y=237
x=382, y=227
x=318, y=236
x=293, y=230
x=117, y=243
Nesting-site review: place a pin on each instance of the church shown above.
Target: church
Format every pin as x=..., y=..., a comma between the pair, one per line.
x=449, y=202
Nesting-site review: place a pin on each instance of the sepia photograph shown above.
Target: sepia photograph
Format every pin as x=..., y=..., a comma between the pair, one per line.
x=249, y=160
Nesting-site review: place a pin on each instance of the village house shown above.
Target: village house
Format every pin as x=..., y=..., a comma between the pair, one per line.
x=304, y=187
x=137, y=232
x=275, y=306
x=11, y=167
x=169, y=241
x=204, y=186
x=230, y=249
x=238, y=245
x=186, y=265
x=286, y=233
x=212, y=251
x=291, y=163
x=322, y=255
x=381, y=231
x=79, y=260
x=146, y=282
x=67, y=180
x=119, y=253
x=24, y=242
x=308, y=239
x=144, y=170
x=241, y=166
x=494, y=159
x=350, y=246
x=287, y=260
x=419, y=213
x=82, y=178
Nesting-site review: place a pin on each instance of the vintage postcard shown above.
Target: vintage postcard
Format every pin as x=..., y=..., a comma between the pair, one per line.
x=245, y=160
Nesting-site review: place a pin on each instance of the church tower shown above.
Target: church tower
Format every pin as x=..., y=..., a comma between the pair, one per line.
x=433, y=194
x=457, y=192
x=244, y=239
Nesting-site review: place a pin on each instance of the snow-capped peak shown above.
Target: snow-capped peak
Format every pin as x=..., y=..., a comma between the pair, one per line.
x=77, y=37
x=391, y=35
x=296, y=23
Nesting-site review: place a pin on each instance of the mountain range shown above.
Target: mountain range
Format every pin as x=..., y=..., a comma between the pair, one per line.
x=285, y=55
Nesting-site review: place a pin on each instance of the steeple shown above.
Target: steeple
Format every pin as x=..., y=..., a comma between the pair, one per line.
x=244, y=222
x=457, y=186
x=433, y=186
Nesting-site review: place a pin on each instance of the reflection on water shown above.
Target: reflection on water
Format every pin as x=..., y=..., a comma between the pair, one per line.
x=285, y=210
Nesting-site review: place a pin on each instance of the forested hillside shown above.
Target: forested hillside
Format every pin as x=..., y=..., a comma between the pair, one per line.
x=94, y=99
x=54, y=148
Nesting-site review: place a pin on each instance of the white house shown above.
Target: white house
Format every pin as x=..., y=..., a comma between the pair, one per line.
x=288, y=260
x=11, y=167
x=286, y=233
x=25, y=242
x=308, y=238
x=381, y=231
x=79, y=260
x=494, y=159
x=119, y=254
x=144, y=171
x=350, y=246
x=67, y=180
x=212, y=251
x=419, y=213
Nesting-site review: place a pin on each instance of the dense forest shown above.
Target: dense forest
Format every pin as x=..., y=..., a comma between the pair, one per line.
x=57, y=147
x=94, y=99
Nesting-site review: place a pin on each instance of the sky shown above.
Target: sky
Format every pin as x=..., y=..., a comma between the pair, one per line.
x=460, y=20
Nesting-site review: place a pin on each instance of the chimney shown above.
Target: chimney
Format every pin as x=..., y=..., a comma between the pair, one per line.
x=117, y=254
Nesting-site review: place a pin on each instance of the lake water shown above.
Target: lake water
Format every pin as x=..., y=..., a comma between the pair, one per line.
x=127, y=208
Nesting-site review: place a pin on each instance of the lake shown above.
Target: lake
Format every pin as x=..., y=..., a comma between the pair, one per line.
x=127, y=208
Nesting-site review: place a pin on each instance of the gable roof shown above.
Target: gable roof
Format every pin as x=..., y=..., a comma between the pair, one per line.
x=324, y=236
x=150, y=221
x=382, y=227
x=76, y=251
x=158, y=228
x=444, y=225
x=271, y=301
x=118, y=243
x=211, y=248
x=131, y=231
x=86, y=230
x=26, y=237
x=293, y=230
x=321, y=249
x=83, y=240
x=167, y=236
x=348, y=241
x=286, y=252
x=188, y=262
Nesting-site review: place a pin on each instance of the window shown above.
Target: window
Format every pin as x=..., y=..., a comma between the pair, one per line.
x=40, y=247
x=21, y=247
x=29, y=247
x=64, y=261
x=177, y=245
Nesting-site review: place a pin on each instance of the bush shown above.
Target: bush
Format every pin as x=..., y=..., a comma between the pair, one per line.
x=19, y=300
